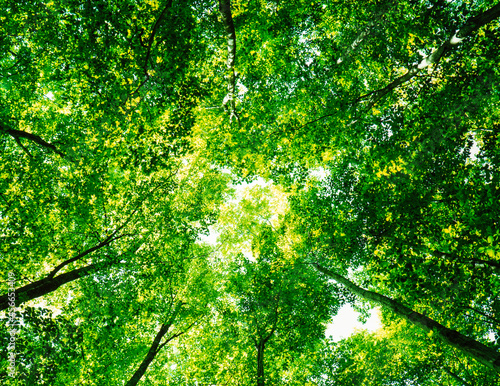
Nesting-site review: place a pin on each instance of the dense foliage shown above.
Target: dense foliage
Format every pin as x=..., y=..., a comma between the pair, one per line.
x=130, y=131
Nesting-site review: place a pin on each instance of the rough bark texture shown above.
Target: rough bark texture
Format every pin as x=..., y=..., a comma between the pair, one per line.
x=470, y=347
x=155, y=347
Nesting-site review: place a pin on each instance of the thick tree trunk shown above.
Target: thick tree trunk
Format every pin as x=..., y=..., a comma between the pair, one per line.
x=470, y=347
x=155, y=348
x=49, y=284
x=260, y=363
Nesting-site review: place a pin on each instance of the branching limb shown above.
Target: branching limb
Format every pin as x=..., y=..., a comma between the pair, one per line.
x=149, y=45
x=46, y=285
x=473, y=24
x=107, y=241
x=152, y=36
x=470, y=26
x=18, y=134
x=155, y=347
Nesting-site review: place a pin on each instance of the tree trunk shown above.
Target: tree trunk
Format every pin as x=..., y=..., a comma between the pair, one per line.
x=155, y=348
x=456, y=377
x=49, y=284
x=470, y=26
x=227, y=19
x=470, y=347
x=260, y=363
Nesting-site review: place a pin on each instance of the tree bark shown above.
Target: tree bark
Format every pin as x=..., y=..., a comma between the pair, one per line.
x=155, y=347
x=227, y=19
x=17, y=134
x=260, y=363
x=473, y=24
x=51, y=283
x=48, y=284
x=470, y=347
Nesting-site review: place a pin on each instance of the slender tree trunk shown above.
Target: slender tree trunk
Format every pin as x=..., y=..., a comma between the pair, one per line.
x=260, y=363
x=49, y=284
x=470, y=26
x=155, y=348
x=227, y=19
x=470, y=347
x=456, y=377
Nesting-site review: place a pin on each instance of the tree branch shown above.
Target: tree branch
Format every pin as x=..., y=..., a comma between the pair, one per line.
x=375, y=20
x=17, y=134
x=152, y=36
x=107, y=241
x=148, y=46
x=48, y=284
x=155, y=347
x=470, y=26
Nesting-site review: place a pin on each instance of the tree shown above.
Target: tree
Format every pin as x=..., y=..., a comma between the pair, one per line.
x=123, y=124
x=397, y=354
x=482, y=353
x=279, y=301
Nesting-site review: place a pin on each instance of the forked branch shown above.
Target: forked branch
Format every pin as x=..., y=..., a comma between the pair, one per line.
x=18, y=134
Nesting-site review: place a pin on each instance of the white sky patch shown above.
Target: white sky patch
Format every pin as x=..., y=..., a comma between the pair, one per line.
x=474, y=151
x=240, y=189
x=211, y=238
x=49, y=95
x=346, y=322
x=242, y=90
x=319, y=173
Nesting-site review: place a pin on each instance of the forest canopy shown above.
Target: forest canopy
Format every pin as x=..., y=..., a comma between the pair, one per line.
x=190, y=191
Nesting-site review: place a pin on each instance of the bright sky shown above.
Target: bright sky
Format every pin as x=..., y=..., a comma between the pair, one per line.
x=346, y=322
